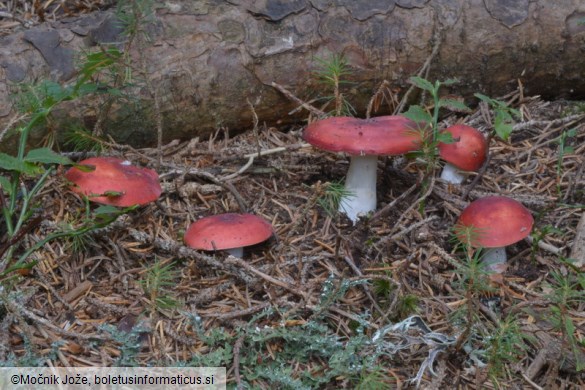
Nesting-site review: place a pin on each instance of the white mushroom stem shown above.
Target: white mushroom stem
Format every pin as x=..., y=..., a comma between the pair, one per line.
x=452, y=174
x=493, y=257
x=236, y=252
x=361, y=184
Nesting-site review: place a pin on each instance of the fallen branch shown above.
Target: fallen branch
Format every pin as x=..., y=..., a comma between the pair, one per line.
x=295, y=99
x=252, y=156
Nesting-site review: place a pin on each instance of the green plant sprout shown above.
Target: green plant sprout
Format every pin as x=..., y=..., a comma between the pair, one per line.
x=503, y=116
x=472, y=279
x=503, y=345
x=156, y=285
x=428, y=127
x=429, y=121
x=567, y=293
x=538, y=235
x=330, y=73
x=331, y=197
x=80, y=139
x=404, y=305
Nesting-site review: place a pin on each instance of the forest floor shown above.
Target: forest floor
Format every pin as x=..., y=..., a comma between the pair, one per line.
x=389, y=302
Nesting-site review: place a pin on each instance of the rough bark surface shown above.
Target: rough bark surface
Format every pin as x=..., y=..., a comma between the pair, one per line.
x=207, y=58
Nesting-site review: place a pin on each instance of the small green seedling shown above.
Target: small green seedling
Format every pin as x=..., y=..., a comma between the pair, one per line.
x=430, y=135
x=332, y=195
x=503, y=116
x=330, y=73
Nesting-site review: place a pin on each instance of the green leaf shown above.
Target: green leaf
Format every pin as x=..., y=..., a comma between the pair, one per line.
x=46, y=156
x=87, y=88
x=54, y=93
x=10, y=163
x=5, y=185
x=106, y=210
x=569, y=326
x=422, y=83
x=450, y=82
x=484, y=98
x=502, y=126
x=85, y=167
x=19, y=266
x=445, y=137
x=113, y=194
x=114, y=92
x=454, y=105
x=418, y=114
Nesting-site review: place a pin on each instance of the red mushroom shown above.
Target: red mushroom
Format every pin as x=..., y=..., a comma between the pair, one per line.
x=494, y=222
x=467, y=153
x=230, y=232
x=115, y=182
x=364, y=140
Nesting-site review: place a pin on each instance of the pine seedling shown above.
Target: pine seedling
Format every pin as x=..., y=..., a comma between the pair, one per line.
x=538, y=235
x=407, y=305
x=156, y=284
x=472, y=280
x=375, y=378
x=506, y=345
x=567, y=292
x=331, y=73
x=79, y=139
x=383, y=288
x=330, y=197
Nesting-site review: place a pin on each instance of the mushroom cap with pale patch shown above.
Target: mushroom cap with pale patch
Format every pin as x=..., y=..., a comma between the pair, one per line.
x=493, y=222
x=469, y=149
x=227, y=231
x=128, y=184
x=383, y=135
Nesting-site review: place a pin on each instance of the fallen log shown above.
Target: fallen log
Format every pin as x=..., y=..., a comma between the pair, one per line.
x=208, y=59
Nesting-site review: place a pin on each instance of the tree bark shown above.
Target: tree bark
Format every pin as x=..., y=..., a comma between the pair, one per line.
x=208, y=59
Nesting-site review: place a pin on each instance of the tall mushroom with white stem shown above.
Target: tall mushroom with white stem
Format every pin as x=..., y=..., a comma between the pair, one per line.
x=364, y=140
x=466, y=153
x=494, y=222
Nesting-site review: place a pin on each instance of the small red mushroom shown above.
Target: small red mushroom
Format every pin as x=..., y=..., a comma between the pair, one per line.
x=364, y=140
x=467, y=153
x=494, y=222
x=230, y=232
x=115, y=182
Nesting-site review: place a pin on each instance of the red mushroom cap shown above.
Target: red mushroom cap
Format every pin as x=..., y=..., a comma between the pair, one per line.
x=495, y=221
x=469, y=150
x=227, y=231
x=136, y=185
x=384, y=135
